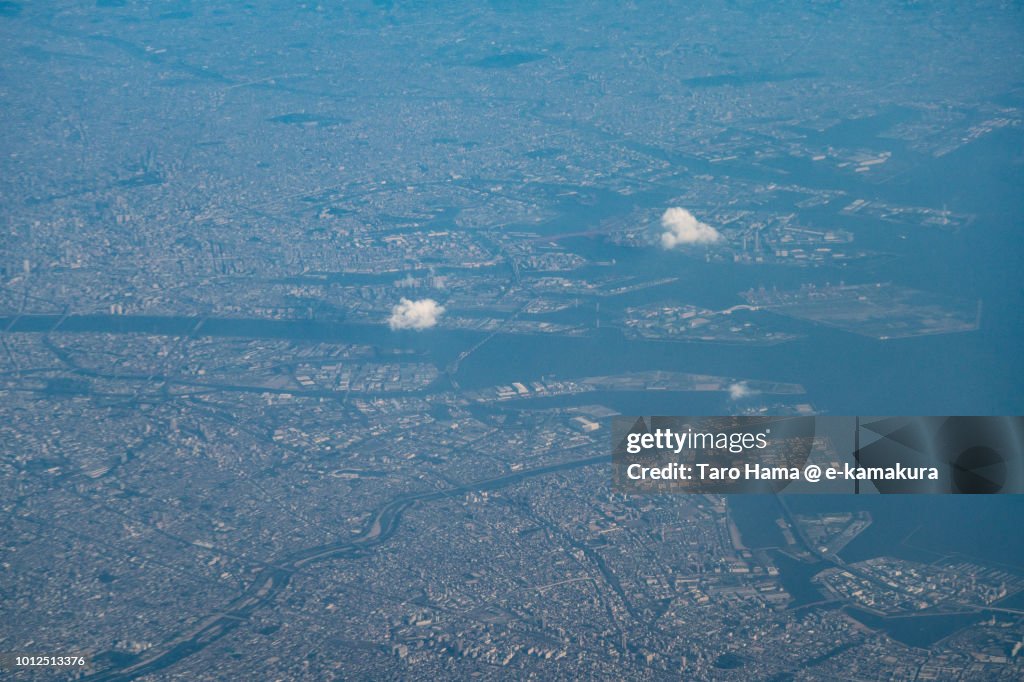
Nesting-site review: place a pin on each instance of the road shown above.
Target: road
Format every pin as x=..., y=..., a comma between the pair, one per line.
x=273, y=579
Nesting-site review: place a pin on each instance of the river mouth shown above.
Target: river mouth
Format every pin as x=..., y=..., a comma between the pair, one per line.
x=506, y=358
x=909, y=527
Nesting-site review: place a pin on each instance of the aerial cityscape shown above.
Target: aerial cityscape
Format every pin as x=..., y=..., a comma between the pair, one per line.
x=314, y=318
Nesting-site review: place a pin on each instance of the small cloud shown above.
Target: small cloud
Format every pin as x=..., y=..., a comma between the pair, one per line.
x=681, y=227
x=739, y=390
x=421, y=314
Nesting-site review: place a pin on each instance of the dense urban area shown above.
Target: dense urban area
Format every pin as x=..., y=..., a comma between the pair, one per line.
x=313, y=318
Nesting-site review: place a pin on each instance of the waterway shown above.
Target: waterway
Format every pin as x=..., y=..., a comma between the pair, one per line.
x=916, y=528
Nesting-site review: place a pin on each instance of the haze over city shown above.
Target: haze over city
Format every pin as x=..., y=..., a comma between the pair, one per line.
x=314, y=319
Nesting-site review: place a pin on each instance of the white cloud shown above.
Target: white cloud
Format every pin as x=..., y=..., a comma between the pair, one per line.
x=681, y=227
x=421, y=314
x=739, y=390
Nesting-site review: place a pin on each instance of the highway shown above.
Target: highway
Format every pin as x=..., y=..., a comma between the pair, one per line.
x=273, y=579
